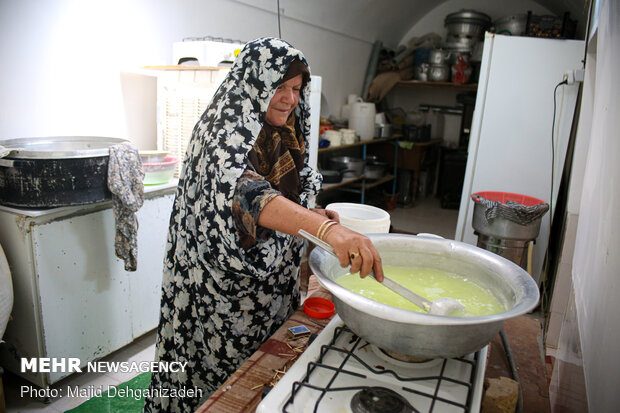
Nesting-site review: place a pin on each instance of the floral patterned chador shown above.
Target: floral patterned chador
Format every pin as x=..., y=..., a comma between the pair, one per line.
x=228, y=283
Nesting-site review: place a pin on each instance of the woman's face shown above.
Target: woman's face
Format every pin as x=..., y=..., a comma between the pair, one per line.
x=284, y=101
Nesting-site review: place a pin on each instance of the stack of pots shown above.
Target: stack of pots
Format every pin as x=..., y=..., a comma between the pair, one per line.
x=438, y=70
x=465, y=29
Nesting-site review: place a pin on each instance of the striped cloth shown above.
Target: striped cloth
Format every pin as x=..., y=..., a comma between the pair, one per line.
x=511, y=210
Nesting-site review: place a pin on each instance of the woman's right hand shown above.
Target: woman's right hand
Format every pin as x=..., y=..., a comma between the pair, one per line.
x=355, y=249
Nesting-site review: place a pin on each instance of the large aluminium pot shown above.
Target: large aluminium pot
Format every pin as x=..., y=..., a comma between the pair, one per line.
x=469, y=23
x=514, y=25
x=55, y=171
x=419, y=334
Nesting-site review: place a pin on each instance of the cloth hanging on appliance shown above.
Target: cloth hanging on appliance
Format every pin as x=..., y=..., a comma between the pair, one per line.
x=125, y=176
x=511, y=210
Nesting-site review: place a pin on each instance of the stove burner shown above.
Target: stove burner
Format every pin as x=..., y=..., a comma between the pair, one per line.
x=379, y=400
x=404, y=357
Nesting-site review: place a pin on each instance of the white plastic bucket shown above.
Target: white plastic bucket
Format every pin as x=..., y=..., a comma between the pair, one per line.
x=364, y=219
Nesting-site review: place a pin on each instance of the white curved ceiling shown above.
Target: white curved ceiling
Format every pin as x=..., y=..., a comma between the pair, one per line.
x=391, y=20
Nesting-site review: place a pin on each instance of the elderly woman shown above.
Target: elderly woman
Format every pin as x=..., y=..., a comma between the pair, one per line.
x=231, y=266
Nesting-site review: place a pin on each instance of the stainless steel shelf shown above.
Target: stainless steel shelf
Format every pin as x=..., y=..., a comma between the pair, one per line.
x=371, y=184
x=437, y=85
x=360, y=143
x=335, y=185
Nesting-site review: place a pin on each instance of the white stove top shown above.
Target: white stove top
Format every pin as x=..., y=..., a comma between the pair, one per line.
x=339, y=369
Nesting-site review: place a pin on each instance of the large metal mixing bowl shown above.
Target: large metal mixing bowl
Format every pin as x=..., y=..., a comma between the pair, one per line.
x=418, y=334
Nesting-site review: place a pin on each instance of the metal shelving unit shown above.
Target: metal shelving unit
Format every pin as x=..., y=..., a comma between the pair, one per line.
x=360, y=184
x=437, y=85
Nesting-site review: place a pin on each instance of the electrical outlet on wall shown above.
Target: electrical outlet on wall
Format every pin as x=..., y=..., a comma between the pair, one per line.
x=574, y=76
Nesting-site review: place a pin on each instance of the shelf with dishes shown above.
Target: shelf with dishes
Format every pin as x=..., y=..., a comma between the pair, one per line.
x=369, y=184
x=343, y=183
x=437, y=85
x=356, y=182
x=186, y=68
x=359, y=143
x=364, y=180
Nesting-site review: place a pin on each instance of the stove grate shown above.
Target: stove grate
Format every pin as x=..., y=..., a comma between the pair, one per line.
x=341, y=369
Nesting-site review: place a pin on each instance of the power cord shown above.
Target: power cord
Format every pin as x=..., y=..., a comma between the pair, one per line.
x=544, y=297
x=513, y=369
x=279, y=28
x=563, y=82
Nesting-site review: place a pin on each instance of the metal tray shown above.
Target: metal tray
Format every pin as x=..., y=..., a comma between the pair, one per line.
x=60, y=147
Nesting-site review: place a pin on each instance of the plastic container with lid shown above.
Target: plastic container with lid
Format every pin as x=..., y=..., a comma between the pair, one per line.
x=159, y=172
x=152, y=156
x=362, y=119
x=361, y=218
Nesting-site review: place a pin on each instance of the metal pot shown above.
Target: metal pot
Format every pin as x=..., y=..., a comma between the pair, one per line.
x=333, y=177
x=437, y=57
x=463, y=44
x=421, y=72
x=383, y=130
x=330, y=176
x=511, y=25
x=354, y=166
x=419, y=334
x=438, y=73
x=467, y=23
x=55, y=171
x=375, y=170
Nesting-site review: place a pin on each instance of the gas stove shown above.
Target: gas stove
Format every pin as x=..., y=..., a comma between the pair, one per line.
x=341, y=372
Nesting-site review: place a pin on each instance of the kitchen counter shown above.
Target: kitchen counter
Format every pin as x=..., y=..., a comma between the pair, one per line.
x=243, y=391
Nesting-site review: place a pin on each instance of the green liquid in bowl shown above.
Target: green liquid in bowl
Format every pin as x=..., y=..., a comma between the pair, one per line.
x=428, y=283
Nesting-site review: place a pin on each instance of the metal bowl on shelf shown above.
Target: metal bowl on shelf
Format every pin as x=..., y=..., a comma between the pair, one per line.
x=375, y=170
x=354, y=166
x=333, y=176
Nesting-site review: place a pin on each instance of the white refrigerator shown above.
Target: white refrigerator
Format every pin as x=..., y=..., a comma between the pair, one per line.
x=510, y=146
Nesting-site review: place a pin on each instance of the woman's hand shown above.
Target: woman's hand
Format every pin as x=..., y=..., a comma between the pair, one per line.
x=333, y=215
x=350, y=247
x=355, y=249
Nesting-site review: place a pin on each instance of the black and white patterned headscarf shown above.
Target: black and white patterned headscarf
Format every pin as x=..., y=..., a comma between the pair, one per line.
x=217, y=155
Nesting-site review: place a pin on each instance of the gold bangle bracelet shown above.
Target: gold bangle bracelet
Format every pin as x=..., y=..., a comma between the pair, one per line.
x=319, y=232
x=327, y=229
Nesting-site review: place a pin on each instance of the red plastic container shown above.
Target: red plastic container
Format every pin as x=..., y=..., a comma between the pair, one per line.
x=503, y=197
x=318, y=307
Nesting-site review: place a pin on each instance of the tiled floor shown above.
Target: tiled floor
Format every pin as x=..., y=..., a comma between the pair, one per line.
x=426, y=216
